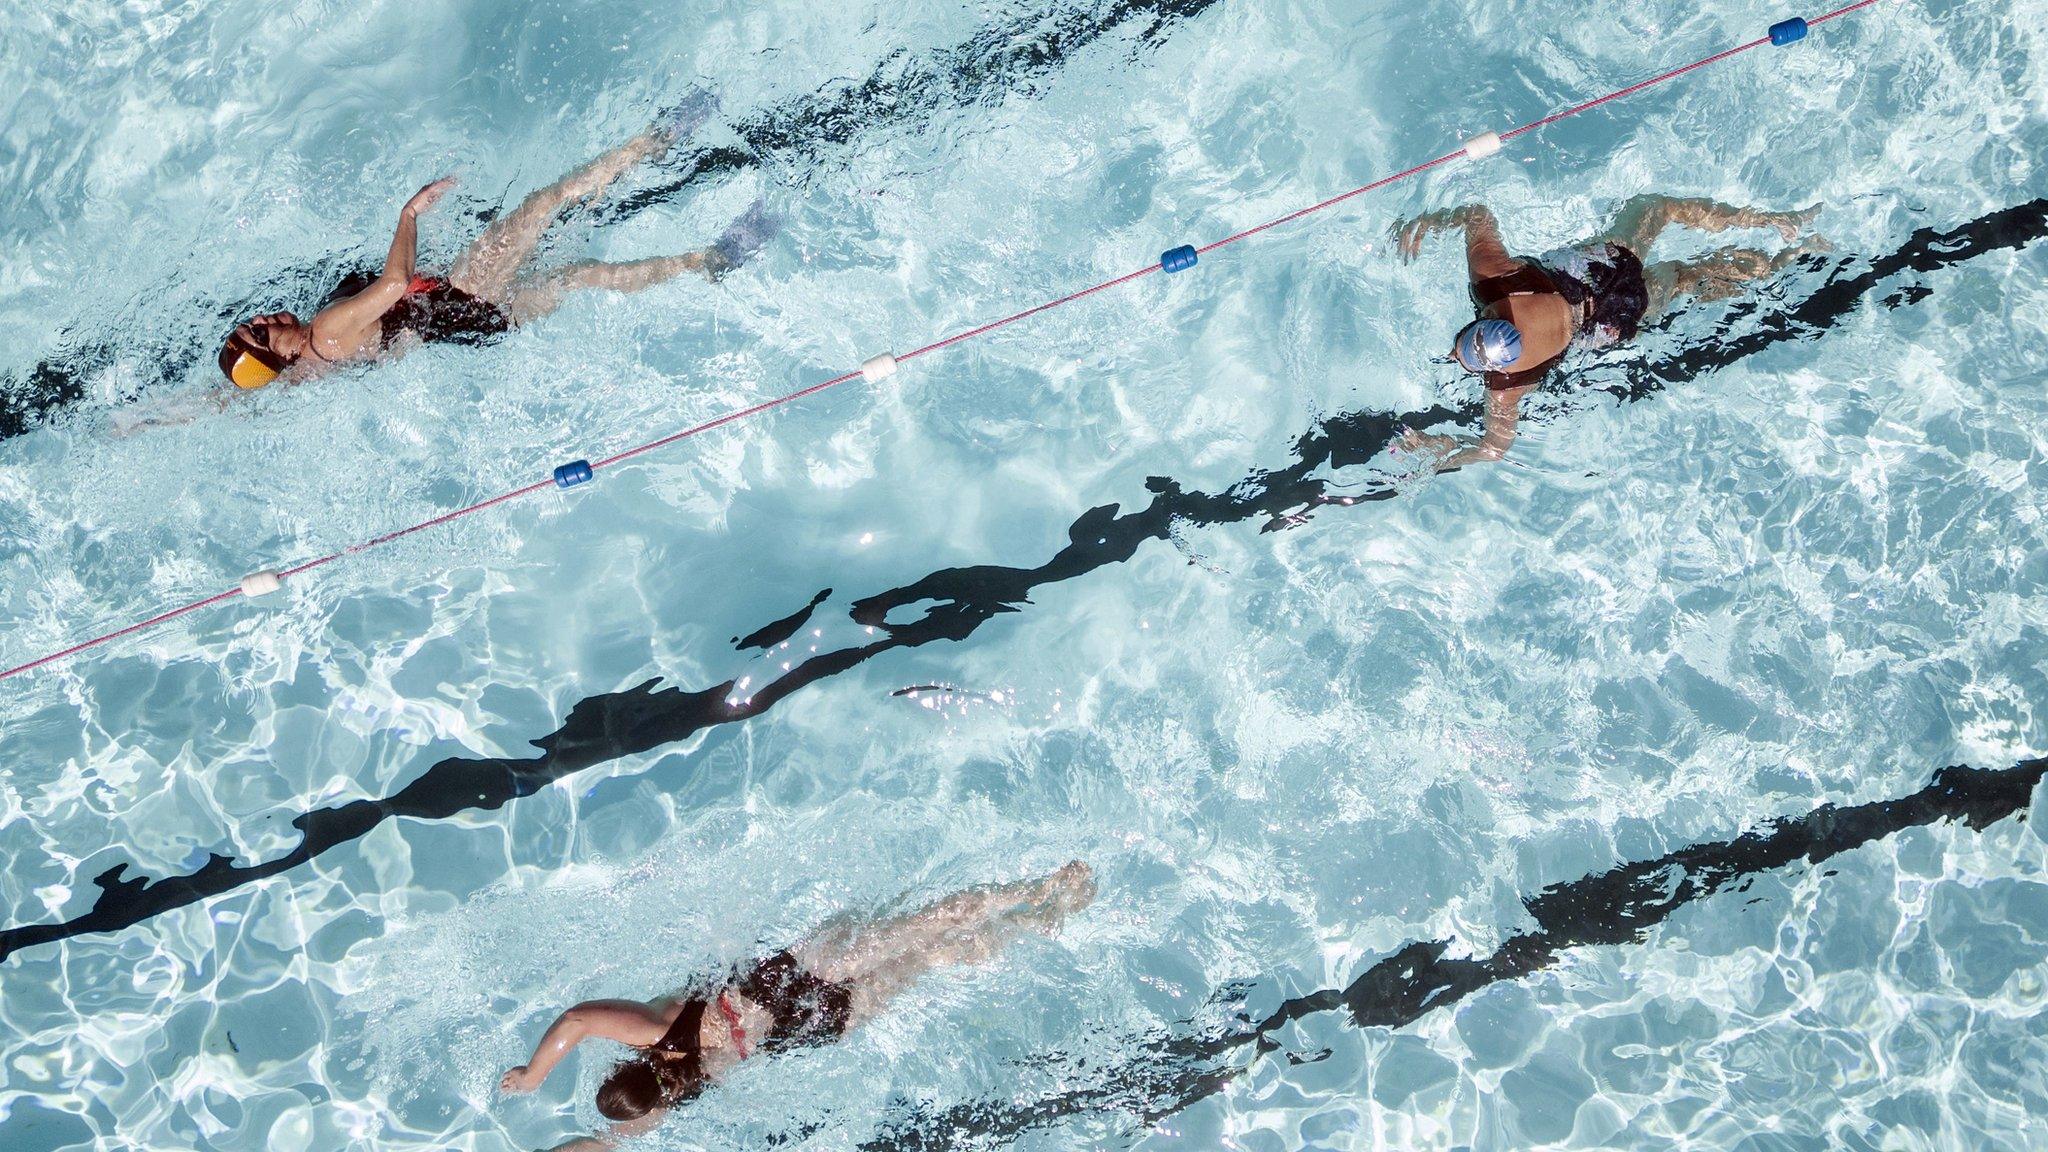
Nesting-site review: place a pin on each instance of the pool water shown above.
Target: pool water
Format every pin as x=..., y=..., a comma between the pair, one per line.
x=1586, y=800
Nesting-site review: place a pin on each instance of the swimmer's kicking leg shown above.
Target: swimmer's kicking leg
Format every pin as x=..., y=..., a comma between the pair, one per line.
x=1640, y=221
x=1722, y=273
x=882, y=959
x=1719, y=274
x=739, y=242
x=489, y=268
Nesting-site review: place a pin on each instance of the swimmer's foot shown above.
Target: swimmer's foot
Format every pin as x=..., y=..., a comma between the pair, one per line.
x=740, y=241
x=1072, y=888
x=1814, y=244
x=1788, y=224
x=1047, y=902
x=681, y=122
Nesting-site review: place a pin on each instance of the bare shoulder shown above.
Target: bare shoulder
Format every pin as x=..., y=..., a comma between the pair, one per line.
x=667, y=1008
x=335, y=341
x=352, y=328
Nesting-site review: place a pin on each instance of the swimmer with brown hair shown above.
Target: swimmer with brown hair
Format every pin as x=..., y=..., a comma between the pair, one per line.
x=837, y=978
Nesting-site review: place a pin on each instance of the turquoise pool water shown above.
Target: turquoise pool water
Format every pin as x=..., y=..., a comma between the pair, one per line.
x=1098, y=586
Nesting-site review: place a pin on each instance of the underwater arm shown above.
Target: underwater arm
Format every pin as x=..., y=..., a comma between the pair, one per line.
x=626, y=1021
x=605, y=1141
x=1485, y=254
x=1503, y=412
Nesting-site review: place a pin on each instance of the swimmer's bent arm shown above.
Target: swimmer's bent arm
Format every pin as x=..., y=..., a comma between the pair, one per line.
x=1485, y=254
x=626, y=1021
x=341, y=325
x=1503, y=412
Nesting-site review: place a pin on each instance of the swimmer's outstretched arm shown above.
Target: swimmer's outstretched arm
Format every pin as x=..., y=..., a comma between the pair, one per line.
x=1503, y=412
x=1485, y=254
x=626, y=1021
x=605, y=1141
x=338, y=328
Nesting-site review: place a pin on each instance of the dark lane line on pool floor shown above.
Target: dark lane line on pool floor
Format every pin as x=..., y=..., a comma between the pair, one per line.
x=645, y=717
x=980, y=71
x=769, y=635
x=1618, y=907
x=906, y=90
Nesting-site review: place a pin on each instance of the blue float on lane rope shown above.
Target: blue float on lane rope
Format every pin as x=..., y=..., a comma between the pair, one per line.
x=1787, y=31
x=1178, y=259
x=573, y=473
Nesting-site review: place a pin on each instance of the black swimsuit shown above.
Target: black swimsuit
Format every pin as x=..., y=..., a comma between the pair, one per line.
x=1609, y=277
x=437, y=311
x=441, y=313
x=805, y=1010
x=1527, y=280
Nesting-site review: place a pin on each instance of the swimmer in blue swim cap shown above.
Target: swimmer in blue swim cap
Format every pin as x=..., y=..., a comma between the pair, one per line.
x=1531, y=312
x=1488, y=346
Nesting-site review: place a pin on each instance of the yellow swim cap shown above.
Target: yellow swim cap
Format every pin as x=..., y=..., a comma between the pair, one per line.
x=246, y=365
x=250, y=372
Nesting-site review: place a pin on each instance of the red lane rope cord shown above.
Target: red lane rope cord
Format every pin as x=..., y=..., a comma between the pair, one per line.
x=939, y=345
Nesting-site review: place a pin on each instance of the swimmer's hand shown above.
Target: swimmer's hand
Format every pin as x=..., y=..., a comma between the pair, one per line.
x=518, y=1082
x=166, y=412
x=1408, y=237
x=427, y=197
x=1409, y=234
x=1430, y=444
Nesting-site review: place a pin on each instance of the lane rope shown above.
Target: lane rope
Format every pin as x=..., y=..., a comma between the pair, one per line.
x=883, y=366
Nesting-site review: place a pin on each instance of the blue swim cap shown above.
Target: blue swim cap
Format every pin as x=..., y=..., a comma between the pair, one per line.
x=1489, y=345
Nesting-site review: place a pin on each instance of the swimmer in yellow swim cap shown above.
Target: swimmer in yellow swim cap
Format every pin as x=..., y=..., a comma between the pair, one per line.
x=484, y=294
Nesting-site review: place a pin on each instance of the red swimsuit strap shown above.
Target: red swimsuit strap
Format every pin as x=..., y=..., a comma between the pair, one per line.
x=421, y=284
x=732, y=1024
